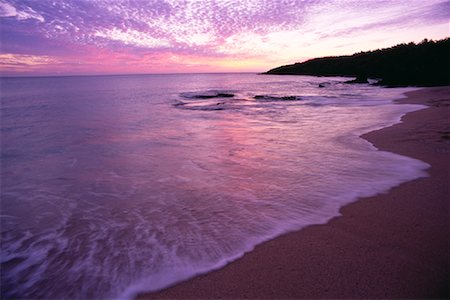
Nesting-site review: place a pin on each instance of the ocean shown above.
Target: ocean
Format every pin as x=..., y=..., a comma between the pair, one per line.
x=113, y=185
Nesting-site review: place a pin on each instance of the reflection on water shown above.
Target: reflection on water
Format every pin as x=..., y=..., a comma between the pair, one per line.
x=110, y=185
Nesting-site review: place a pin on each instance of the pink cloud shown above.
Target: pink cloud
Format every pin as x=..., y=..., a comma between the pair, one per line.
x=200, y=36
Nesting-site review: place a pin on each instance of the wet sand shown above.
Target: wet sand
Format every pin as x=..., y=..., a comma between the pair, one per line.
x=393, y=245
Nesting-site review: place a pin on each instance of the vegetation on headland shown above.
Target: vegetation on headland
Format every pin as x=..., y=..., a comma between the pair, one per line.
x=423, y=64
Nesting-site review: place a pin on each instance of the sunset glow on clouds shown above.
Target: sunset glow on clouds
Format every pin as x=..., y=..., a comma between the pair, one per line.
x=138, y=36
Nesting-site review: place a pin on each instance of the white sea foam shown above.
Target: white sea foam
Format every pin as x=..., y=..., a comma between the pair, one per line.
x=144, y=184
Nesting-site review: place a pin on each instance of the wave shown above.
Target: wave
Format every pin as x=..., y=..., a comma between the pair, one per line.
x=206, y=105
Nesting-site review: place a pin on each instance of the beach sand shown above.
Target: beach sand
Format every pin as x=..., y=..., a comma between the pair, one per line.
x=393, y=245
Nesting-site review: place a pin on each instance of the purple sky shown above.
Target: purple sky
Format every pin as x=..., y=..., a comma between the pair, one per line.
x=40, y=37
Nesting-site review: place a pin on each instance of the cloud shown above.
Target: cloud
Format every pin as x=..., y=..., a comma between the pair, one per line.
x=11, y=64
x=372, y=18
x=179, y=24
x=27, y=60
x=231, y=30
x=8, y=10
x=131, y=37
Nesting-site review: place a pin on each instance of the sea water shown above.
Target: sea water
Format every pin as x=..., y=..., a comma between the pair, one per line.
x=111, y=185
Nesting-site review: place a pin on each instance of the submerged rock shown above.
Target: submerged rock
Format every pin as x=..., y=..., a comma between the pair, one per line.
x=276, y=98
x=359, y=79
x=217, y=95
x=324, y=84
x=225, y=95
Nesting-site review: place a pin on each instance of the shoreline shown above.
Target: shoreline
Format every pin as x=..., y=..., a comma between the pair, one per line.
x=392, y=245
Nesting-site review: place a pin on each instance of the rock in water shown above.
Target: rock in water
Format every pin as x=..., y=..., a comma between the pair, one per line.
x=359, y=79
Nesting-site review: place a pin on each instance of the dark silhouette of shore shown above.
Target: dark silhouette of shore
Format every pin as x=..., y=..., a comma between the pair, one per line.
x=423, y=64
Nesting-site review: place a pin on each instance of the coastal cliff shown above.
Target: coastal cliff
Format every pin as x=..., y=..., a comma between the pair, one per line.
x=423, y=64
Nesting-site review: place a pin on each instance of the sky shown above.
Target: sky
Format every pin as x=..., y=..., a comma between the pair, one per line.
x=76, y=37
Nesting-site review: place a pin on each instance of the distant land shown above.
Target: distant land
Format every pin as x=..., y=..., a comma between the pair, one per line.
x=423, y=64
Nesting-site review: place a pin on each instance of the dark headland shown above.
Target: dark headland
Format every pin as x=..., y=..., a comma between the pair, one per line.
x=423, y=64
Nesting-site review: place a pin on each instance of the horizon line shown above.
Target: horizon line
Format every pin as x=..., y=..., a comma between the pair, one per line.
x=122, y=74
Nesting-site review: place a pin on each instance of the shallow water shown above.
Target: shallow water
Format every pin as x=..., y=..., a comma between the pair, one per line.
x=112, y=185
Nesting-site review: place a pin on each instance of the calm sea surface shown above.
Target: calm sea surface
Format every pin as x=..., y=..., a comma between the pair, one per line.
x=116, y=184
